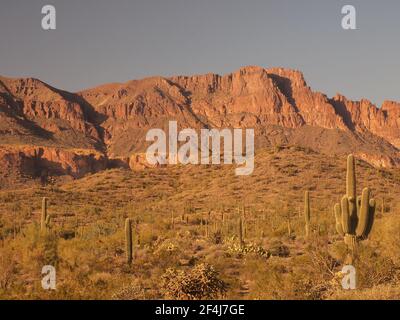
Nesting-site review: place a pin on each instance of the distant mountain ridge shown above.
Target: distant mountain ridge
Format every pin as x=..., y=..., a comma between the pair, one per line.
x=45, y=131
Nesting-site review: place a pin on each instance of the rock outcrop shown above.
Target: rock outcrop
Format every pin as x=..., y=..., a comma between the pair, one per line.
x=47, y=161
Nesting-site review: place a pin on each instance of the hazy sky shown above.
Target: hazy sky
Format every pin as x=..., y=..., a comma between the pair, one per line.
x=99, y=41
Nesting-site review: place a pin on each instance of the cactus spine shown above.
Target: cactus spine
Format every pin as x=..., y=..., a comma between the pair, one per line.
x=307, y=212
x=354, y=215
x=128, y=240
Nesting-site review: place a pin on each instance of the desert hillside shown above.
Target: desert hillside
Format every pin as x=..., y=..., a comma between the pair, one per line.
x=246, y=235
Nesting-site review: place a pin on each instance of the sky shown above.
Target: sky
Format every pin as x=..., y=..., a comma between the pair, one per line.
x=99, y=41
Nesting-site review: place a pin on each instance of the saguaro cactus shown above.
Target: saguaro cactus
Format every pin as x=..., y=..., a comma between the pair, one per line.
x=244, y=221
x=289, y=228
x=172, y=221
x=44, y=217
x=223, y=226
x=354, y=215
x=307, y=212
x=241, y=241
x=128, y=240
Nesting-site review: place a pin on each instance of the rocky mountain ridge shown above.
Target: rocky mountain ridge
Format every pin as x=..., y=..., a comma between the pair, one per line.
x=109, y=122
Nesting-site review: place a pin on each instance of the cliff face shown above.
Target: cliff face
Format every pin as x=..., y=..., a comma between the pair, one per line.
x=363, y=116
x=39, y=161
x=29, y=107
x=245, y=98
x=111, y=120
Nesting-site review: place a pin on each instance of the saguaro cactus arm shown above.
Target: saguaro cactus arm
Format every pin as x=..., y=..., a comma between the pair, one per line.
x=372, y=208
x=345, y=215
x=364, y=214
x=48, y=221
x=338, y=217
x=351, y=177
x=358, y=205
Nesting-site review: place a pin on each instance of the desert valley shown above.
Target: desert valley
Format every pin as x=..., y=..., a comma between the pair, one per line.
x=77, y=193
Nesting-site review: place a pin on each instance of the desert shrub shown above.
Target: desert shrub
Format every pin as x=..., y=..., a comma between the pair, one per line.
x=67, y=234
x=8, y=268
x=374, y=269
x=216, y=237
x=317, y=274
x=136, y=290
x=166, y=253
x=100, y=279
x=92, y=211
x=271, y=282
x=130, y=292
x=278, y=147
x=7, y=228
x=278, y=281
x=387, y=233
x=308, y=288
x=49, y=247
x=319, y=257
x=39, y=249
x=381, y=292
x=201, y=282
x=247, y=249
x=165, y=248
x=307, y=277
x=278, y=249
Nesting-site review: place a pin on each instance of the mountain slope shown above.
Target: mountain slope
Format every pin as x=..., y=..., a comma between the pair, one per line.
x=109, y=123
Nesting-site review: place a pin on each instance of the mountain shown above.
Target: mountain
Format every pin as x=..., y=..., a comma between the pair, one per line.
x=45, y=131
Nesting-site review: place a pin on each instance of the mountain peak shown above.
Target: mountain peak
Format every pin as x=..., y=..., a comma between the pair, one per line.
x=295, y=76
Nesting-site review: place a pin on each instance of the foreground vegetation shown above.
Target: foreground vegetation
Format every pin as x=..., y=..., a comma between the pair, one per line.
x=197, y=232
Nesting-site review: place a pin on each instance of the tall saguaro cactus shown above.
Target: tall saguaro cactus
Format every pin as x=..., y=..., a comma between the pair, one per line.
x=241, y=240
x=354, y=215
x=44, y=217
x=307, y=212
x=128, y=241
